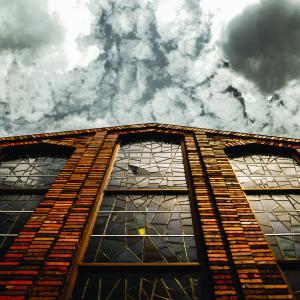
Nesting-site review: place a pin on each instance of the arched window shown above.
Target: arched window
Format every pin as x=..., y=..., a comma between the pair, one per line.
x=271, y=180
x=142, y=244
x=26, y=173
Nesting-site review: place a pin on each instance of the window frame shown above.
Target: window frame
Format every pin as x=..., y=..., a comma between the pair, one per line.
x=81, y=266
x=252, y=149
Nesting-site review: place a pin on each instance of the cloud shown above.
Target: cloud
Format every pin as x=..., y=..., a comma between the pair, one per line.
x=263, y=43
x=27, y=25
x=156, y=62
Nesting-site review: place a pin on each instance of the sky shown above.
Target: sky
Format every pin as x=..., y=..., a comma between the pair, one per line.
x=75, y=64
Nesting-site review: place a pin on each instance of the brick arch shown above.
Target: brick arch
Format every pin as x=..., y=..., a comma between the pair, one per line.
x=155, y=131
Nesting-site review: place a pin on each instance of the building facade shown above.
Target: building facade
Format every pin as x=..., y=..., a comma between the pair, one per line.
x=149, y=211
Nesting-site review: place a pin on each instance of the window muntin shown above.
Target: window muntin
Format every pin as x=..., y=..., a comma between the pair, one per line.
x=145, y=218
x=24, y=178
x=160, y=229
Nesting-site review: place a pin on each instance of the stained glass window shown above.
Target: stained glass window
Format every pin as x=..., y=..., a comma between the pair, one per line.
x=24, y=177
x=145, y=217
x=272, y=184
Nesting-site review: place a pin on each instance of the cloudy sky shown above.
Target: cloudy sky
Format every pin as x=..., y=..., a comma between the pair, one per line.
x=75, y=64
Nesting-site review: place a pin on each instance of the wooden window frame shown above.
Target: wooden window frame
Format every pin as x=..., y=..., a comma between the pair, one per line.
x=81, y=266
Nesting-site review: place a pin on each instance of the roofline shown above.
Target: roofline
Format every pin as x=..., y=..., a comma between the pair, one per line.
x=90, y=131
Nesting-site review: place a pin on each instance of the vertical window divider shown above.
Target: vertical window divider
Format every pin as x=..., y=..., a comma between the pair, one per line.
x=89, y=227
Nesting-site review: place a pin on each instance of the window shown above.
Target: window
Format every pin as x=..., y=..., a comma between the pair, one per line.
x=26, y=173
x=271, y=181
x=142, y=245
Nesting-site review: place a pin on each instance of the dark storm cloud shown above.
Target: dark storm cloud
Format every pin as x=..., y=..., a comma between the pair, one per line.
x=27, y=25
x=263, y=43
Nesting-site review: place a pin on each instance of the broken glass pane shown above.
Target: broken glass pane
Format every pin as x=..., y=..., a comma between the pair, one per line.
x=148, y=164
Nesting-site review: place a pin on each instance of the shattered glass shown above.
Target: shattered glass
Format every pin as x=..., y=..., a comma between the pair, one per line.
x=148, y=164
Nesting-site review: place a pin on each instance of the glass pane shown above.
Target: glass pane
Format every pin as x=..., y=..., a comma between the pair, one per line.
x=5, y=242
x=19, y=202
x=285, y=222
x=275, y=203
x=141, y=249
x=146, y=203
x=148, y=164
x=285, y=247
x=129, y=285
x=277, y=214
x=293, y=279
x=12, y=223
x=266, y=171
x=135, y=223
x=30, y=171
x=149, y=228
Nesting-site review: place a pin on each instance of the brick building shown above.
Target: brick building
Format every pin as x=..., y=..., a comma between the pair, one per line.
x=149, y=212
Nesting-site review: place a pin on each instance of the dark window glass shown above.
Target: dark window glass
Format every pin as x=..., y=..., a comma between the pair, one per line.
x=132, y=285
x=24, y=178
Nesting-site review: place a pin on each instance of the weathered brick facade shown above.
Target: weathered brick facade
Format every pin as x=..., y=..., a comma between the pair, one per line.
x=241, y=265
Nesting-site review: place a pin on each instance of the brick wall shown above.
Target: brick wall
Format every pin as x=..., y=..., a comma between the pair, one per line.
x=236, y=254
